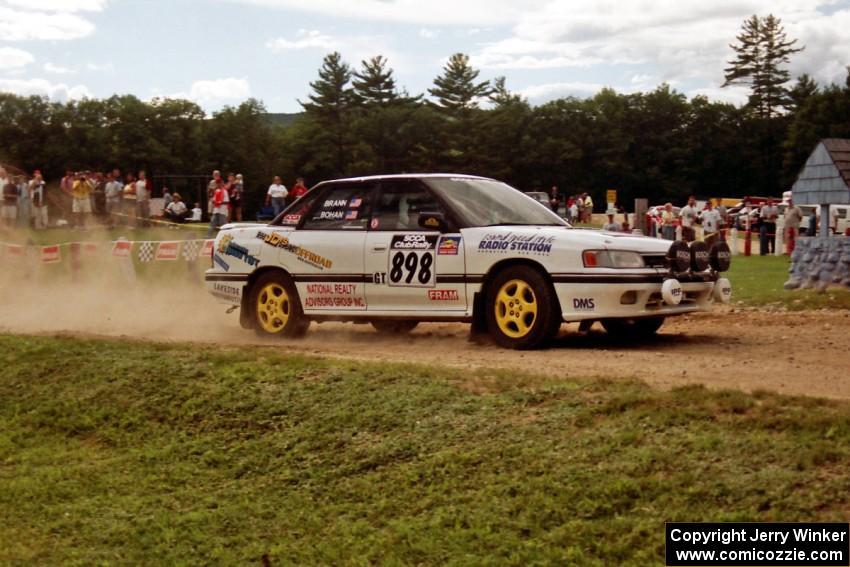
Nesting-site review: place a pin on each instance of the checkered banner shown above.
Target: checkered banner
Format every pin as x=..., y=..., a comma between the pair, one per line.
x=146, y=251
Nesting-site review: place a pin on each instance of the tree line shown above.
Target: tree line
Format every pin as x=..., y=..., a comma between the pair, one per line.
x=358, y=121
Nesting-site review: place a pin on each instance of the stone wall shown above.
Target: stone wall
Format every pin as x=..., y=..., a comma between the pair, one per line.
x=817, y=263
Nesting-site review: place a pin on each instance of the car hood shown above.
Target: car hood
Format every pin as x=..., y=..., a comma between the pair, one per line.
x=584, y=238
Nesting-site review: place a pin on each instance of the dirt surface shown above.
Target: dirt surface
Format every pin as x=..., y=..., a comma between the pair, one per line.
x=804, y=353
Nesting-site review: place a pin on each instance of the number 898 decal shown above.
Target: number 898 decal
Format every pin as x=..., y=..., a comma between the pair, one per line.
x=412, y=260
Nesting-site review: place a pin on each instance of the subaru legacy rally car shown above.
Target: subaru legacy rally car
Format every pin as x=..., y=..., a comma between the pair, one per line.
x=401, y=249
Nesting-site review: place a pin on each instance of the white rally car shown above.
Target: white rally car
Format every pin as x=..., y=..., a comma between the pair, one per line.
x=401, y=249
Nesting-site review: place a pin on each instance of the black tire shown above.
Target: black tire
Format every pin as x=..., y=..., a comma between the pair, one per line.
x=263, y=300
x=524, y=328
x=394, y=327
x=632, y=328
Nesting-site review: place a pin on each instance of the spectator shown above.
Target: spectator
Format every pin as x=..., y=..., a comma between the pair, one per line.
x=143, y=200
x=10, y=201
x=298, y=190
x=668, y=222
x=710, y=218
x=236, y=191
x=39, y=205
x=724, y=216
x=212, y=186
x=554, y=200
x=767, y=230
x=114, y=193
x=129, y=207
x=81, y=203
x=66, y=184
x=574, y=211
x=176, y=210
x=219, y=212
x=197, y=214
x=612, y=225
x=24, y=208
x=568, y=209
x=167, y=197
x=688, y=216
x=276, y=195
x=228, y=186
x=626, y=225
x=793, y=218
x=588, y=209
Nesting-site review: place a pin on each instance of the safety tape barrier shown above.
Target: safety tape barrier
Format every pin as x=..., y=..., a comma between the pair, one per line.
x=144, y=250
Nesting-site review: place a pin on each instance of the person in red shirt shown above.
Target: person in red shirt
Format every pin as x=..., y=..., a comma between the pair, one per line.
x=298, y=190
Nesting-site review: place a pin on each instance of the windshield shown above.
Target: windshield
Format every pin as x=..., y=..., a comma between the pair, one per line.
x=483, y=202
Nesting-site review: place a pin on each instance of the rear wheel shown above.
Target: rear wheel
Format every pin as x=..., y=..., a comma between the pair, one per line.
x=633, y=328
x=275, y=307
x=522, y=309
x=392, y=327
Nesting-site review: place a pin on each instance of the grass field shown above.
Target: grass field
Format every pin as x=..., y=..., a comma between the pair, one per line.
x=114, y=452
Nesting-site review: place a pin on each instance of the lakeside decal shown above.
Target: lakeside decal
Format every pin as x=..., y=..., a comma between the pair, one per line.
x=281, y=241
x=334, y=296
x=448, y=246
x=414, y=242
x=227, y=291
x=520, y=243
x=443, y=295
x=227, y=247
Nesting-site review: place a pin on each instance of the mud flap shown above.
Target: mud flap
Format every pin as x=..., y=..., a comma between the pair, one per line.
x=478, y=328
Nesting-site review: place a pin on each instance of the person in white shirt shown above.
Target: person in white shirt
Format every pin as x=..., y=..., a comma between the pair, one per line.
x=197, y=214
x=612, y=225
x=176, y=210
x=688, y=216
x=767, y=231
x=276, y=195
x=143, y=199
x=39, y=206
x=711, y=221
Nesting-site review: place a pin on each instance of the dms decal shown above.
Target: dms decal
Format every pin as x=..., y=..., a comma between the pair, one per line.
x=519, y=243
x=279, y=240
x=584, y=304
x=414, y=242
x=443, y=295
x=448, y=246
x=334, y=296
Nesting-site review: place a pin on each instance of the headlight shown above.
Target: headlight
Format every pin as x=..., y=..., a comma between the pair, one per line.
x=612, y=259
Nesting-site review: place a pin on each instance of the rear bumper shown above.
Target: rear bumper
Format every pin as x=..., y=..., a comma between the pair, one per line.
x=226, y=288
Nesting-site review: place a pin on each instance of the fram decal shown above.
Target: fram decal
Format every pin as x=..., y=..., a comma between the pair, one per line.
x=220, y=261
x=448, y=245
x=520, y=243
x=443, y=295
x=414, y=242
x=584, y=304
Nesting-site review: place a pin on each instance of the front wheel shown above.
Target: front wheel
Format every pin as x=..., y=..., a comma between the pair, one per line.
x=393, y=327
x=522, y=309
x=633, y=328
x=275, y=307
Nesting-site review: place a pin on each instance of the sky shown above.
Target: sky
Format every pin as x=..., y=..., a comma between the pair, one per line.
x=220, y=52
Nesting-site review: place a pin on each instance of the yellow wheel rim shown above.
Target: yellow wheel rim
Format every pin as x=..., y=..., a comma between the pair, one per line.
x=273, y=308
x=516, y=308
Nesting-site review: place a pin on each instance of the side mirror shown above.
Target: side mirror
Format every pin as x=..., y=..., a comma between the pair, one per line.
x=434, y=220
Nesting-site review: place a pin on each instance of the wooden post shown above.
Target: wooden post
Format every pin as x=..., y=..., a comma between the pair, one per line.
x=641, y=205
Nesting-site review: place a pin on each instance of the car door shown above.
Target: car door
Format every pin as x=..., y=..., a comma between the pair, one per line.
x=412, y=268
x=325, y=252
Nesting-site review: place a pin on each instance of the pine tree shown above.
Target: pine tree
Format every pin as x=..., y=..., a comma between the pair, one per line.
x=456, y=89
x=500, y=95
x=330, y=105
x=802, y=91
x=761, y=53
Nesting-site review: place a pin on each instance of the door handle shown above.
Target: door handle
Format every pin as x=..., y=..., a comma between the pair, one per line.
x=379, y=247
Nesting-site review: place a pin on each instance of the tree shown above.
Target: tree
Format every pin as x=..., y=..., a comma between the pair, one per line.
x=374, y=84
x=760, y=55
x=805, y=88
x=456, y=89
x=330, y=106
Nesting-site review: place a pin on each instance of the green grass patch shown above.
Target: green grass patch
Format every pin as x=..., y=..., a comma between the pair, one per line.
x=757, y=281
x=137, y=453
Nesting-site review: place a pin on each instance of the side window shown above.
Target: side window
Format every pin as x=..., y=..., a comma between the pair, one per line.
x=293, y=214
x=399, y=204
x=341, y=208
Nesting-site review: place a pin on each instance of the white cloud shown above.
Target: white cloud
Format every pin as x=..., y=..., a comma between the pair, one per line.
x=214, y=92
x=43, y=87
x=435, y=12
x=27, y=20
x=58, y=69
x=99, y=66
x=549, y=91
x=11, y=58
x=426, y=33
x=304, y=39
